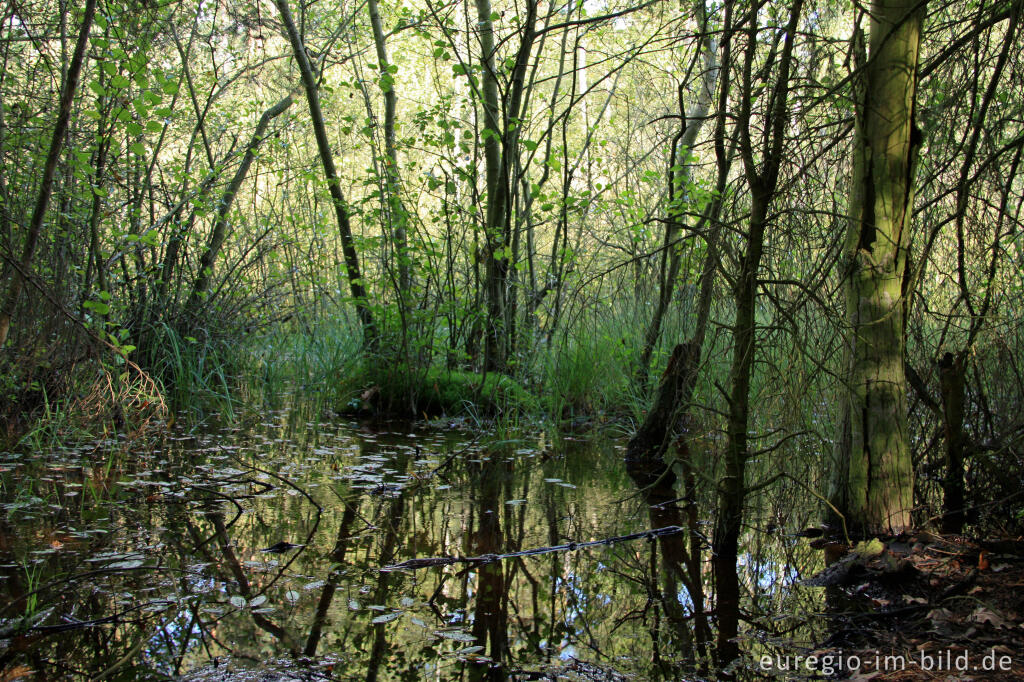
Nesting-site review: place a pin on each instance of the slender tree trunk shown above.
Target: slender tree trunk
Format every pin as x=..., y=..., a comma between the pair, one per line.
x=952, y=382
x=60, y=130
x=220, y=226
x=358, y=290
x=677, y=183
x=500, y=144
x=395, y=208
x=762, y=180
x=876, y=486
x=93, y=258
x=495, y=266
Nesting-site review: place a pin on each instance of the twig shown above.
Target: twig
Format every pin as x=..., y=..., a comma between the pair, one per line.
x=570, y=547
x=842, y=518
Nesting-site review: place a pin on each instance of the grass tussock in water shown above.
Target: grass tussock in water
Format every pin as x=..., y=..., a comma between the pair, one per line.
x=436, y=391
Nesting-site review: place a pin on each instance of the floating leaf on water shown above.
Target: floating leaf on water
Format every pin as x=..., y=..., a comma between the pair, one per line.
x=315, y=585
x=126, y=565
x=418, y=621
x=456, y=635
x=109, y=556
x=239, y=602
x=515, y=502
x=552, y=480
x=387, y=617
x=469, y=650
x=292, y=596
x=566, y=485
x=256, y=601
x=353, y=604
x=407, y=602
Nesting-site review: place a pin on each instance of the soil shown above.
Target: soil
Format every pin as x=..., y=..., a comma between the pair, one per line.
x=926, y=607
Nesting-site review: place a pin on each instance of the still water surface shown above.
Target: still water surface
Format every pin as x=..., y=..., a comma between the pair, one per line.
x=150, y=562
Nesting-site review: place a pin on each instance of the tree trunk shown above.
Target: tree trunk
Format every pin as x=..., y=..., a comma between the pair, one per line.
x=762, y=179
x=952, y=382
x=220, y=226
x=348, y=248
x=677, y=184
x=501, y=137
x=876, y=474
x=495, y=265
x=60, y=130
x=395, y=209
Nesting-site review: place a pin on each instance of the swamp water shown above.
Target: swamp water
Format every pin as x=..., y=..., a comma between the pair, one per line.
x=151, y=562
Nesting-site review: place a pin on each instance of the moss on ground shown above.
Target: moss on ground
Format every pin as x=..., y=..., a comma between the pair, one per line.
x=436, y=391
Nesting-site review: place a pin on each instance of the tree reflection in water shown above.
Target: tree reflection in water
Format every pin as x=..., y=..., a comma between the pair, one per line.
x=181, y=545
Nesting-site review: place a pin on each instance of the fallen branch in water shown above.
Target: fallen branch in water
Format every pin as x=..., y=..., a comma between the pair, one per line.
x=570, y=547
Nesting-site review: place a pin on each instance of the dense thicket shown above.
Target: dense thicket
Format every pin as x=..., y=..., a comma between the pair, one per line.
x=378, y=202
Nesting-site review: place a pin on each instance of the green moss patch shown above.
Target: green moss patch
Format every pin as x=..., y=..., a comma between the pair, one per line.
x=437, y=391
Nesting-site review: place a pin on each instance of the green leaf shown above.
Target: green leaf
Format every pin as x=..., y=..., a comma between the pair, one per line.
x=529, y=144
x=96, y=307
x=137, y=148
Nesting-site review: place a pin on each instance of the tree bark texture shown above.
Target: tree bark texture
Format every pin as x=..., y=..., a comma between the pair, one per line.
x=876, y=494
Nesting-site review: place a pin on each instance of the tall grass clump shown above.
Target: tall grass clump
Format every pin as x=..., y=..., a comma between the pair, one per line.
x=317, y=360
x=590, y=369
x=198, y=375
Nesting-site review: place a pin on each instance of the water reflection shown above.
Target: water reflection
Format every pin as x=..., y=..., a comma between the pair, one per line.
x=153, y=564
x=680, y=591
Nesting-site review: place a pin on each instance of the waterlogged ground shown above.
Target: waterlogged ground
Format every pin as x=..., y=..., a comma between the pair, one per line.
x=150, y=561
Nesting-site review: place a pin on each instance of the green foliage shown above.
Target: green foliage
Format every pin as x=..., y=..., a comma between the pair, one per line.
x=197, y=374
x=589, y=373
x=399, y=389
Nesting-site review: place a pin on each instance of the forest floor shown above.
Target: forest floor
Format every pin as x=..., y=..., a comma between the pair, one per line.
x=927, y=607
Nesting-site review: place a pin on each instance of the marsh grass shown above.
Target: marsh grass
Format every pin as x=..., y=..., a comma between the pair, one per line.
x=197, y=374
